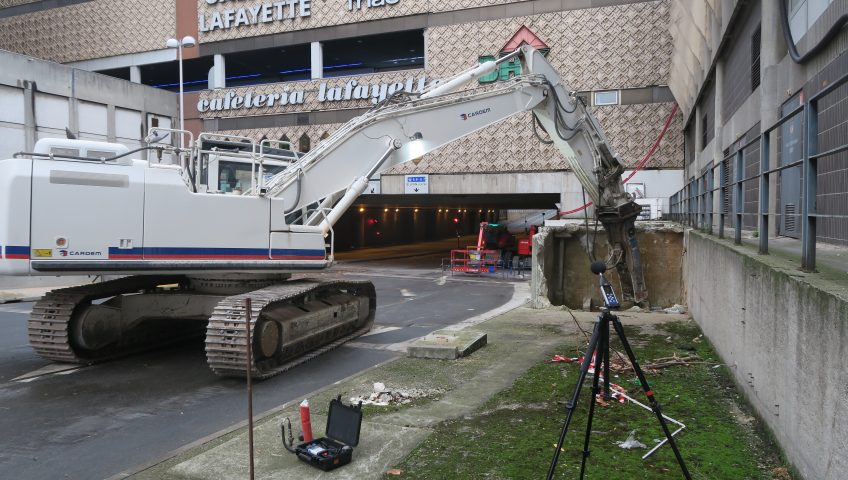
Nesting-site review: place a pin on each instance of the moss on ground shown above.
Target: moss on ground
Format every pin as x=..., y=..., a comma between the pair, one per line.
x=512, y=436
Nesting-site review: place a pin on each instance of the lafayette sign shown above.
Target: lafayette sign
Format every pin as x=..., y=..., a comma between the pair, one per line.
x=267, y=12
x=351, y=90
x=253, y=15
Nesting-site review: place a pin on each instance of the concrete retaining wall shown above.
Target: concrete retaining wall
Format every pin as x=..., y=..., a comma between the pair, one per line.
x=783, y=334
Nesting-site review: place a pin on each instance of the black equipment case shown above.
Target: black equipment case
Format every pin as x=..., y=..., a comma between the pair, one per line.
x=336, y=449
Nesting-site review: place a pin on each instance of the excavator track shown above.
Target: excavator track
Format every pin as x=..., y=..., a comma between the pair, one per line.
x=51, y=318
x=226, y=346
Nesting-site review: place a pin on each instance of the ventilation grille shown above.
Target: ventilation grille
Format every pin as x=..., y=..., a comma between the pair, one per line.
x=789, y=218
x=755, y=59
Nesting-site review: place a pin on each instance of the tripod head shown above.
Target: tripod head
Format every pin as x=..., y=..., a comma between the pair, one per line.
x=610, y=301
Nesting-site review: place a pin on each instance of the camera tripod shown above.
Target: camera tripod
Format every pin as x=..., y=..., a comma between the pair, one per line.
x=599, y=349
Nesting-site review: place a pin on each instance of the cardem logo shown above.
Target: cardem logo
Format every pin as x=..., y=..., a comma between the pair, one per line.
x=466, y=116
x=72, y=253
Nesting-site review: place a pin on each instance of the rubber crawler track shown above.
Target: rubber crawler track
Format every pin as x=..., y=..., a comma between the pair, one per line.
x=226, y=351
x=49, y=323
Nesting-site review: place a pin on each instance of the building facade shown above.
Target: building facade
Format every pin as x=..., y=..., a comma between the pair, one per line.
x=295, y=70
x=735, y=78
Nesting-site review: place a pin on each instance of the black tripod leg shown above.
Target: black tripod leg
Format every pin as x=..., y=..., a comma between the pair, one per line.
x=572, y=404
x=599, y=357
x=655, y=406
x=605, y=339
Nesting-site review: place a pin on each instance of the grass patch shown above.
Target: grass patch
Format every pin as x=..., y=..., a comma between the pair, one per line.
x=512, y=436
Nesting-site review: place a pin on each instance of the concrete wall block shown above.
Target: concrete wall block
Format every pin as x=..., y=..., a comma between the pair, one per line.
x=783, y=334
x=561, y=274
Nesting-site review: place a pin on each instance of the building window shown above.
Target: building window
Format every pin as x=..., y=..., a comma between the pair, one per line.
x=755, y=59
x=704, y=132
x=607, y=97
x=304, y=144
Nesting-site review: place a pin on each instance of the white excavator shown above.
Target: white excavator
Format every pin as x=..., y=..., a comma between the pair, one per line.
x=191, y=244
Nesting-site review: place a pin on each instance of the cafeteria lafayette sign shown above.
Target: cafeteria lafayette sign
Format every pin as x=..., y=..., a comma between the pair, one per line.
x=267, y=12
x=351, y=90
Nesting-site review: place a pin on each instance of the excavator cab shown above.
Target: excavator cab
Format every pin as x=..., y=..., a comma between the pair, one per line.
x=227, y=166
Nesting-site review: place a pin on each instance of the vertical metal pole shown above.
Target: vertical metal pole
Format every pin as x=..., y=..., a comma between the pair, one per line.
x=182, y=113
x=249, y=368
x=689, y=203
x=699, y=200
x=763, y=224
x=738, y=197
x=722, y=213
x=693, y=203
x=711, y=197
x=808, y=227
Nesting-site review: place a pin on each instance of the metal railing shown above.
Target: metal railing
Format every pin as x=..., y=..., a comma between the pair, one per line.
x=693, y=204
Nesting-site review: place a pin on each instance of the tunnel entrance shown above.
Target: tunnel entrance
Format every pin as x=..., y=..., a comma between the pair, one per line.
x=383, y=220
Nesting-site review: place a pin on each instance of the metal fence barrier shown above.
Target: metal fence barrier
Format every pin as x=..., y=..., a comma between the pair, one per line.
x=693, y=204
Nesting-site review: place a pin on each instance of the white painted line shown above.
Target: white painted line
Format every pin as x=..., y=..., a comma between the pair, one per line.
x=379, y=330
x=60, y=368
x=392, y=347
x=406, y=293
x=15, y=308
x=520, y=296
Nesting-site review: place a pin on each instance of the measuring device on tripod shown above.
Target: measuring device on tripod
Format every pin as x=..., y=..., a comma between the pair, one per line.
x=598, y=352
x=610, y=301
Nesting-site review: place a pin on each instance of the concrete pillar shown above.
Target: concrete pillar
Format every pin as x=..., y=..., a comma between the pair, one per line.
x=426, y=49
x=772, y=49
x=317, y=51
x=218, y=73
x=29, y=115
x=135, y=74
x=73, y=106
x=111, y=128
x=699, y=139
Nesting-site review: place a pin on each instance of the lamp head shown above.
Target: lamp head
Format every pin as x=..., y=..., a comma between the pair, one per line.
x=172, y=43
x=189, y=41
x=416, y=146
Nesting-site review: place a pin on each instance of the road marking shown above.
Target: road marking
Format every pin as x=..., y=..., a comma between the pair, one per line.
x=53, y=368
x=486, y=280
x=442, y=280
x=406, y=293
x=378, y=330
x=14, y=308
x=392, y=347
x=520, y=296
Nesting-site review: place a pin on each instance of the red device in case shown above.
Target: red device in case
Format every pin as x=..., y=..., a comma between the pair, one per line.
x=344, y=423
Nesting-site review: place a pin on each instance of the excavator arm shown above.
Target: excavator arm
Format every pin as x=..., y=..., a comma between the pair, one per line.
x=323, y=184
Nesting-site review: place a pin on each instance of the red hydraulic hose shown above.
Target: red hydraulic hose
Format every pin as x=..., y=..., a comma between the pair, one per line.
x=641, y=162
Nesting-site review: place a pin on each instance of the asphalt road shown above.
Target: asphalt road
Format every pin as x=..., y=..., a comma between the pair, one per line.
x=98, y=421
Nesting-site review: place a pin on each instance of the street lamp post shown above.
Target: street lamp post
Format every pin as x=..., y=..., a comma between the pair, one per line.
x=186, y=42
